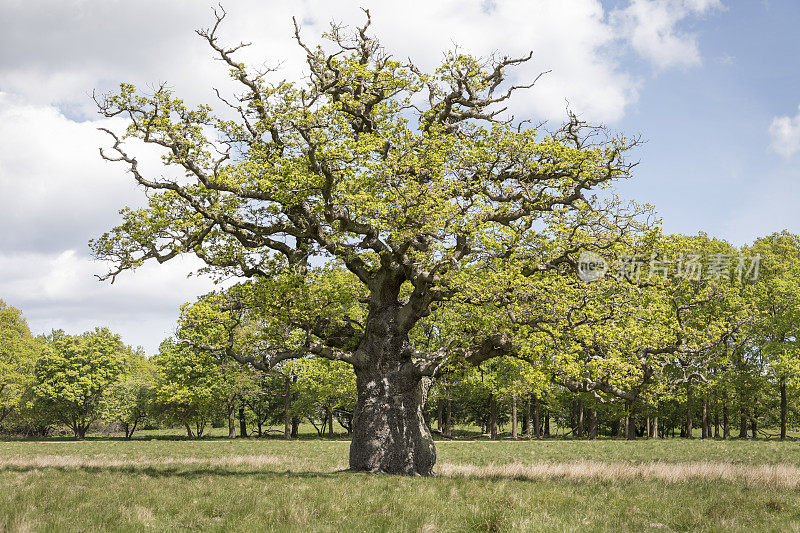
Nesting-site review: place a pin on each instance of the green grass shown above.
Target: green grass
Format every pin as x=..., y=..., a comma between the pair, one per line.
x=153, y=483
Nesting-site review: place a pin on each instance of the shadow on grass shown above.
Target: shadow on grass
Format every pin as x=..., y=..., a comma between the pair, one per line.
x=179, y=472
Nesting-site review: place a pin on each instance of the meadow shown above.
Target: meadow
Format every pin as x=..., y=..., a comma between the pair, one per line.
x=160, y=482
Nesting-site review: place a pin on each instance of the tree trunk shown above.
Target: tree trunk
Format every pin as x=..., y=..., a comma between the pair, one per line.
x=654, y=427
x=579, y=420
x=514, y=416
x=706, y=433
x=189, y=434
x=784, y=409
x=440, y=415
x=592, y=424
x=448, y=418
x=287, y=409
x=753, y=427
x=231, y=407
x=493, y=417
x=689, y=411
x=630, y=422
x=537, y=425
x=726, y=423
x=526, y=417
x=242, y=423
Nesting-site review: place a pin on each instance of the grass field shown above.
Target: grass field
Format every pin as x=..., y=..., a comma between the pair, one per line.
x=155, y=483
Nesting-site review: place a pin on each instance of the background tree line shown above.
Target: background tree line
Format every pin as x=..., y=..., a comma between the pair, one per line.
x=737, y=378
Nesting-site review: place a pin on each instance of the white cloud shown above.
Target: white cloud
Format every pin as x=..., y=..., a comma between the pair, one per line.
x=60, y=290
x=56, y=193
x=652, y=28
x=785, y=134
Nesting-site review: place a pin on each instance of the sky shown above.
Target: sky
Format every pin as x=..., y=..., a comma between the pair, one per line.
x=710, y=85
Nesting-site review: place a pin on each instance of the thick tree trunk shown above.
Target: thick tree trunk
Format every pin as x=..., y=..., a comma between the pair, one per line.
x=514, y=416
x=389, y=431
x=654, y=427
x=743, y=425
x=537, y=425
x=754, y=427
x=295, y=426
x=242, y=423
x=579, y=420
x=784, y=408
x=189, y=434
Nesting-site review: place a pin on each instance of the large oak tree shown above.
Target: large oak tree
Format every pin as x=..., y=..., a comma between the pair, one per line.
x=409, y=180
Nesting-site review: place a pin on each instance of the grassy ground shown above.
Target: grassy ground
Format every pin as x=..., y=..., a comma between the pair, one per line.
x=155, y=483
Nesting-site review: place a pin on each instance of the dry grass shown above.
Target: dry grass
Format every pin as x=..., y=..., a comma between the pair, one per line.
x=259, y=462
x=783, y=476
x=775, y=475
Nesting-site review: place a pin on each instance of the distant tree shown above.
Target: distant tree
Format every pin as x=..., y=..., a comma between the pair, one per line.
x=326, y=391
x=130, y=398
x=18, y=353
x=72, y=379
x=192, y=387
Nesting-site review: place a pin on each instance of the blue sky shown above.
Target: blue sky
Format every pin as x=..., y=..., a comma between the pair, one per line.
x=711, y=85
x=708, y=164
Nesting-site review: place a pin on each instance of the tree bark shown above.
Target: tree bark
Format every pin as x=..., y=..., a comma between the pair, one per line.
x=654, y=427
x=784, y=408
x=389, y=432
x=189, y=434
x=579, y=420
x=592, y=424
x=754, y=427
x=537, y=425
